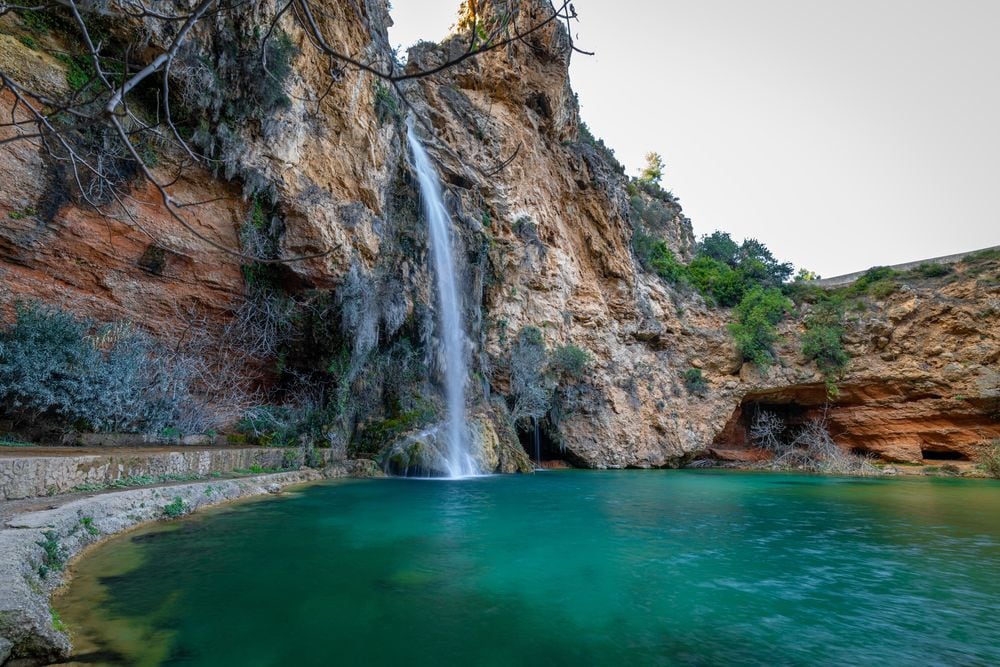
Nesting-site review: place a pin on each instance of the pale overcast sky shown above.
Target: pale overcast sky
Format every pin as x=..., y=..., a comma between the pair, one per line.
x=843, y=134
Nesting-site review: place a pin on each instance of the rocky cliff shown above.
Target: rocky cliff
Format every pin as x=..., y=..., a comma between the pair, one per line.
x=544, y=219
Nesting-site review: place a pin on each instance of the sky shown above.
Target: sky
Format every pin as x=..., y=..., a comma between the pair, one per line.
x=843, y=134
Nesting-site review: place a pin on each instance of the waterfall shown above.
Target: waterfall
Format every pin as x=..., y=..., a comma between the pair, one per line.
x=538, y=444
x=459, y=462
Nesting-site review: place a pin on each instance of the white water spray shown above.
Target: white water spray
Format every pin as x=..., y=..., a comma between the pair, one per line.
x=459, y=462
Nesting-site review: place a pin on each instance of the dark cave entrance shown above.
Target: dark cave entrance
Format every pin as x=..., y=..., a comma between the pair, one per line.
x=793, y=414
x=548, y=447
x=942, y=454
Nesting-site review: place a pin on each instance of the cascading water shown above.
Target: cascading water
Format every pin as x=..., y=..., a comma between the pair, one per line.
x=459, y=462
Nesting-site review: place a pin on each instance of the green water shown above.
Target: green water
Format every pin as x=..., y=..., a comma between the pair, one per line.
x=559, y=568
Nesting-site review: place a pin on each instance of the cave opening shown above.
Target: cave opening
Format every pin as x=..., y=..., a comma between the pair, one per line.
x=548, y=447
x=942, y=454
x=793, y=415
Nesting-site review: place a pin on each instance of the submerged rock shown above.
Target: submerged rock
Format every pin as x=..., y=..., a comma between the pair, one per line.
x=423, y=453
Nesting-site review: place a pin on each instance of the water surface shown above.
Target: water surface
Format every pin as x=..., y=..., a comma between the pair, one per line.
x=559, y=568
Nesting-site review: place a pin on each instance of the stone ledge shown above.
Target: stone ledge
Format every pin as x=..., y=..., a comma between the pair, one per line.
x=27, y=474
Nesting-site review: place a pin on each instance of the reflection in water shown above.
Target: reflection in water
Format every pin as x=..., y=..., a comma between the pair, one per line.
x=563, y=568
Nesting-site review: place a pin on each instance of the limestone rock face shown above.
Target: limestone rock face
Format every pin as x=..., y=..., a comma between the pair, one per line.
x=544, y=239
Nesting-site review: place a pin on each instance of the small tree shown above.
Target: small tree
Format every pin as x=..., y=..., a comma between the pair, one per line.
x=572, y=360
x=805, y=275
x=653, y=171
x=823, y=342
x=528, y=387
x=757, y=314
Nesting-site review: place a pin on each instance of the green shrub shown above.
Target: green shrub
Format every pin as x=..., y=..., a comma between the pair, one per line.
x=878, y=281
x=88, y=525
x=754, y=330
x=386, y=106
x=719, y=246
x=823, y=341
x=54, y=557
x=375, y=436
x=572, y=360
x=988, y=255
x=7, y=441
x=108, y=378
x=717, y=281
x=57, y=623
x=655, y=257
x=288, y=426
x=930, y=270
x=175, y=508
x=694, y=382
x=988, y=456
x=653, y=171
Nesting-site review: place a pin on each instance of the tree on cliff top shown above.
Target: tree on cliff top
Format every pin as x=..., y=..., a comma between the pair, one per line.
x=146, y=100
x=653, y=171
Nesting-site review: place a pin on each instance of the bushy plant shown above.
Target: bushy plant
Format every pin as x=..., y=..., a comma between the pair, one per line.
x=653, y=171
x=175, y=508
x=694, y=382
x=716, y=280
x=823, y=341
x=572, y=360
x=107, y=378
x=386, y=106
x=878, y=281
x=54, y=556
x=654, y=256
x=529, y=387
x=290, y=425
x=756, y=316
x=932, y=270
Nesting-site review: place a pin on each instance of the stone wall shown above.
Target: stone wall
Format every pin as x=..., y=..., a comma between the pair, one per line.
x=26, y=475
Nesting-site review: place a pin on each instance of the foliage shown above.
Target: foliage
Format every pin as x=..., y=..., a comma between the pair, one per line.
x=931, y=270
x=719, y=246
x=21, y=214
x=57, y=622
x=529, y=386
x=694, y=382
x=654, y=256
x=289, y=425
x=756, y=316
x=54, y=556
x=386, y=106
x=878, y=281
x=572, y=361
x=375, y=436
x=823, y=341
x=88, y=524
x=107, y=378
x=987, y=255
x=175, y=508
x=716, y=280
x=722, y=270
x=653, y=171
x=7, y=441
x=805, y=275
x=988, y=456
